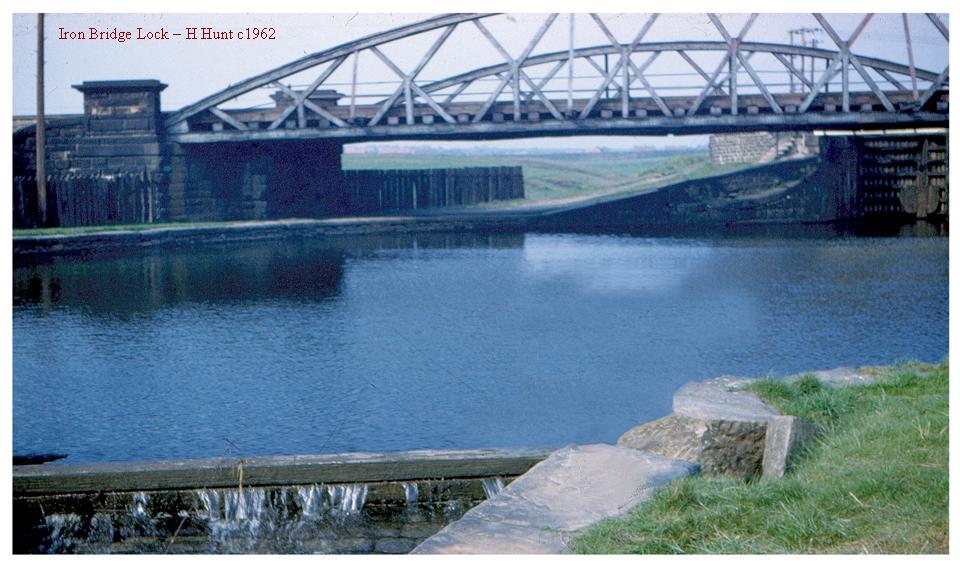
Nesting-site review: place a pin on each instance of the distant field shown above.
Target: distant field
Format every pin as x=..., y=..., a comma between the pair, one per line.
x=559, y=176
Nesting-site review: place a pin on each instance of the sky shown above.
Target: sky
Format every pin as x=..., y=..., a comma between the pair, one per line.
x=196, y=69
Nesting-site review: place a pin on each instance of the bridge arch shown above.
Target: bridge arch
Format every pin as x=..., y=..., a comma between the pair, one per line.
x=846, y=88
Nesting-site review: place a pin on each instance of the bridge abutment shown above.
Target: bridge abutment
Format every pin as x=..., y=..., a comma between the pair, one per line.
x=256, y=180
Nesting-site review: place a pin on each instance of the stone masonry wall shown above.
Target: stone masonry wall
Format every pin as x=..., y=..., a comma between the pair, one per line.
x=120, y=132
x=740, y=148
x=761, y=147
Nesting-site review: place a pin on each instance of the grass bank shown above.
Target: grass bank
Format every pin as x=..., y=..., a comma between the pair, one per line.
x=876, y=481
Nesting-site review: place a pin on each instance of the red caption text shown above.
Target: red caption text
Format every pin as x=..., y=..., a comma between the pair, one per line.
x=199, y=33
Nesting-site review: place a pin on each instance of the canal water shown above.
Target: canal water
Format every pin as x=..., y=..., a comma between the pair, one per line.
x=411, y=341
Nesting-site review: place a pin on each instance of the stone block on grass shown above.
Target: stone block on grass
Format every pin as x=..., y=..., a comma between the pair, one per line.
x=785, y=435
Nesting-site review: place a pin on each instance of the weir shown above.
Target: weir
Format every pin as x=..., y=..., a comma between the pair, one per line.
x=346, y=503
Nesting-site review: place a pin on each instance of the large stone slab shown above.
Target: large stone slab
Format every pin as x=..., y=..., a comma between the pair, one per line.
x=718, y=399
x=571, y=489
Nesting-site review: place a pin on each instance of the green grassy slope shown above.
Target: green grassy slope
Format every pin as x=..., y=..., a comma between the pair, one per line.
x=875, y=482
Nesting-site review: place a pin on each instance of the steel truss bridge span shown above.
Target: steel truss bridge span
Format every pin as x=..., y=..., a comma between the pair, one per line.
x=608, y=88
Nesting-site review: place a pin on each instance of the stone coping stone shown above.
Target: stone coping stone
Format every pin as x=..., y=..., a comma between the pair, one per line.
x=716, y=400
x=571, y=489
x=37, y=480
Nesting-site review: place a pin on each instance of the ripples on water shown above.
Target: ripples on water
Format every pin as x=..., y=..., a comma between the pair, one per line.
x=395, y=342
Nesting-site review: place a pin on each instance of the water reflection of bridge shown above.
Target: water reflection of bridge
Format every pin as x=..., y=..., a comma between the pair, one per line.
x=293, y=270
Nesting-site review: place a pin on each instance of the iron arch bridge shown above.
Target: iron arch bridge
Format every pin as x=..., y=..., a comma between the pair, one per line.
x=612, y=87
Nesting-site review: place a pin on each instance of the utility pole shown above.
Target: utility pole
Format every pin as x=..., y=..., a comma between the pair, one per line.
x=798, y=36
x=41, y=131
x=813, y=62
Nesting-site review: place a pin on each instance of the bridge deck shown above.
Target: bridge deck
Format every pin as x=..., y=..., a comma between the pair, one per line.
x=645, y=118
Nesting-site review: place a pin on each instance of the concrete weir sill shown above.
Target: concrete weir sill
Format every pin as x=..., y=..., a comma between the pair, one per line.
x=341, y=503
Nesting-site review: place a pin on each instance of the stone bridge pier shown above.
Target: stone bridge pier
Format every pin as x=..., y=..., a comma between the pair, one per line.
x=256, y=180
x=121, y=131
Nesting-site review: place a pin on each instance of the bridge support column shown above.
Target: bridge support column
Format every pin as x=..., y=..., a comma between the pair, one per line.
x=839, y=170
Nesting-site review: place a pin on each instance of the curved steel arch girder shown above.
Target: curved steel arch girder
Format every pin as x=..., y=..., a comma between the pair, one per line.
x=319, y=58
x=719, y=46
x=446, y=20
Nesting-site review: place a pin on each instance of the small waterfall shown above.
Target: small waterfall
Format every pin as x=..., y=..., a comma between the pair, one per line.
x=210, y=499
x=138, y=522
x=492, y=486
x=348, y=499
x=310, y=499
x=138, y=509
x=453, y=508
x=244, y=508
x=412, y=493
x=101, y=529
x=232, y=514
x=63, y=529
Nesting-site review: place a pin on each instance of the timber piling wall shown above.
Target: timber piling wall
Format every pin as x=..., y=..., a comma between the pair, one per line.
x=372, y=191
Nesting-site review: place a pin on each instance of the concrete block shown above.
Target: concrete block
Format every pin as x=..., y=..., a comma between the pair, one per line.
x=393, y=120
x=572, y=488
x=606, y=113
x=533, y=116
x=785, y=435
x=463, y=118
x=427, y=119
x=866, y=108
x=217, y=126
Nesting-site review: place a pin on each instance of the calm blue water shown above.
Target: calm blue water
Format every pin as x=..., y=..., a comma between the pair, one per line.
x=386, y=343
